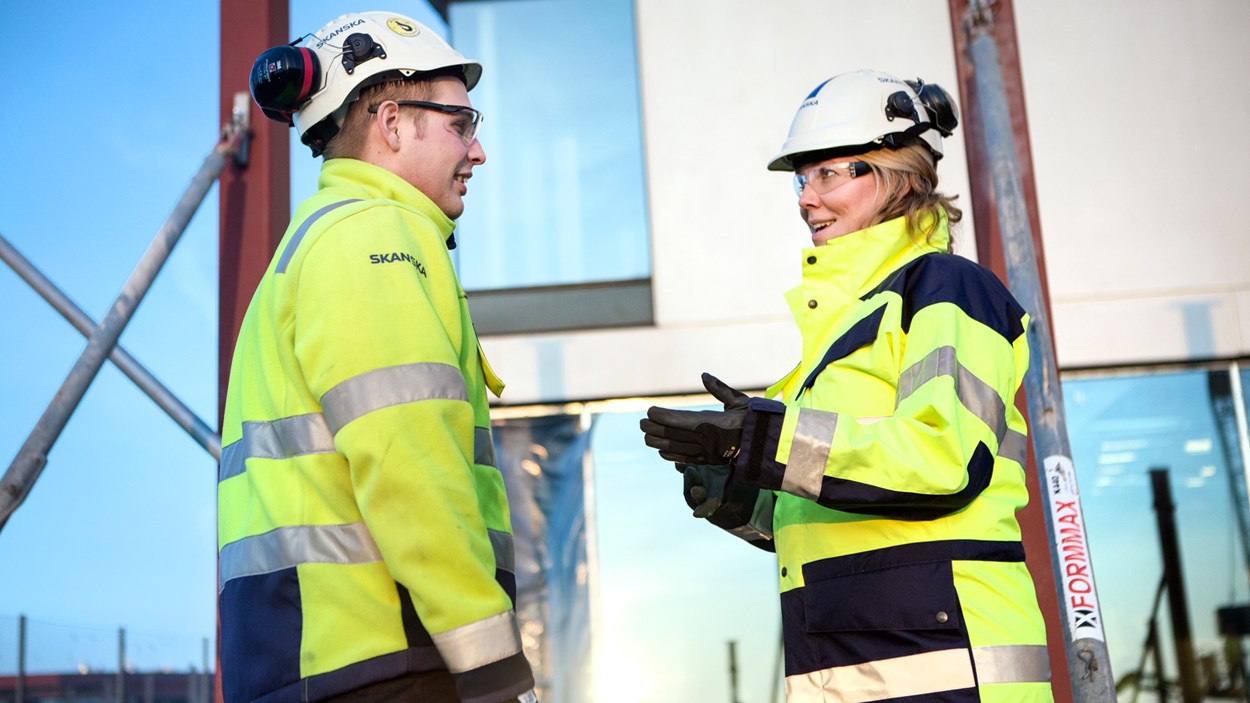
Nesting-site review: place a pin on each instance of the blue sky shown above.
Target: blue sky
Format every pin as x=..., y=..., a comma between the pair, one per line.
x=118, y=110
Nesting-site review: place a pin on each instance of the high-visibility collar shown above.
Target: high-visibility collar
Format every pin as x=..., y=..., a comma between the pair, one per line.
x=352, y=178
x=849, y=266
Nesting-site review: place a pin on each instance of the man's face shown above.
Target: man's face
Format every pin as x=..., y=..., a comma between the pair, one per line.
x=438, y=162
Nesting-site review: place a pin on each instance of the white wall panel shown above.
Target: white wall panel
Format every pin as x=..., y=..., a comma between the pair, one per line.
x=1141, y=172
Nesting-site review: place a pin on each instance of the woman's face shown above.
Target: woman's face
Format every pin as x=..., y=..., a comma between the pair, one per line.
x=848, y=206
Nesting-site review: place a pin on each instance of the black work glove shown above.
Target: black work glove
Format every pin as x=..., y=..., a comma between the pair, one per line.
x=713, y=495
x=699, y=436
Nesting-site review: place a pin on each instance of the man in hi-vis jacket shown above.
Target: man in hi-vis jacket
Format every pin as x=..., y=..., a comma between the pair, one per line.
x=365, y=542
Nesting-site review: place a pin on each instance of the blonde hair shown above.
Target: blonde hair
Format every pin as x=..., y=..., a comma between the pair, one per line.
x=909, y=178
x=350, y=140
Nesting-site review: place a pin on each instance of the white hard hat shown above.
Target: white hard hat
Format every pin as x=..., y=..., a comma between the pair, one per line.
x=311, y=82
x=865, y=110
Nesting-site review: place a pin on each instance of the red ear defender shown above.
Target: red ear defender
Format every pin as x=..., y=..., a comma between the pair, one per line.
x=283, y=78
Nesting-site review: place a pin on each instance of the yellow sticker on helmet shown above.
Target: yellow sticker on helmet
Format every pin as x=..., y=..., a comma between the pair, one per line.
x=403, y=28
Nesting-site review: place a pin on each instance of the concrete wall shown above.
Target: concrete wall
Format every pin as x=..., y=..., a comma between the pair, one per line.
x=1136, y=122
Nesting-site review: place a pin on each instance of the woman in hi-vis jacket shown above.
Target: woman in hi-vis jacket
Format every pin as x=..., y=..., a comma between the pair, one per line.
x=886, y=470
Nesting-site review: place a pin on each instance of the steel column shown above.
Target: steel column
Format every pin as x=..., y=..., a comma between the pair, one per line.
x=254, y=203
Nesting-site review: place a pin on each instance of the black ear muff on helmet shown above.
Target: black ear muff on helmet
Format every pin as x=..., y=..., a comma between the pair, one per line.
x=937, y=102
x=282, y=80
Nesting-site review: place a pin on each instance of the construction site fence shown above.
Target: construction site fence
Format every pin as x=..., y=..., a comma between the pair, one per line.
x=81, y=663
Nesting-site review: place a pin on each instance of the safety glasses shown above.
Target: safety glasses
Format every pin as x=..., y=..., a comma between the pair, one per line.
x=826, y=176
x=465, y=120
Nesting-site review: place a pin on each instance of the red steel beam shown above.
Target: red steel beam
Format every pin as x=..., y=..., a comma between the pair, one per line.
x=990, y=252
x=254, y=201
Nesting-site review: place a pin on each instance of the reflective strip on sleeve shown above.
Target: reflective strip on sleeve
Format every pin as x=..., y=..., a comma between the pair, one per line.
x=296, y=238
x=914, y=675
x=277, y=439
x=479, y=643
x=393, y=385
x=976, y=395
x=1014, y=446
x=809, y=453
x=760, y=527
x=287, y=547
x=505, y=553
x=483, y=447
x=1012, y=663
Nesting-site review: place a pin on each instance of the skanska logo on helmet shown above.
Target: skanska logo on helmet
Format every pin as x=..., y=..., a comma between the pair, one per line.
x=322, y=42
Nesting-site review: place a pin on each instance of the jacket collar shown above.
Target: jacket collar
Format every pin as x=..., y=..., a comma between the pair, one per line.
x=849, y=266
x=353, y=178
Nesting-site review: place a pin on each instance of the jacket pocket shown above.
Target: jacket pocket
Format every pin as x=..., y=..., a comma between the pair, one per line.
x=917, y=596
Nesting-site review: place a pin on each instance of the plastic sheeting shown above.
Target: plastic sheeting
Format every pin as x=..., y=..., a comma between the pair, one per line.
x=543, y=461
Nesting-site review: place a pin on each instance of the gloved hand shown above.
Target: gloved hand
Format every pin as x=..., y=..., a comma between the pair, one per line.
x=704, y=487
x=709, y=437
x=714, y=496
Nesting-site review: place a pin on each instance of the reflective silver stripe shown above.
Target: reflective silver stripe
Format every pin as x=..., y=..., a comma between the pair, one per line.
x=1014, y=446
x=809, y=453
x=505, y=554
x=760, y=526
x=1012, y=663
x=393, y=385
x=285, y=547
x=479, y=643
x=483, y=448
x=277, y=439
x=750, y=533
x=913, y=675
x=975, y=394
x=921, y=674
x=296, y=238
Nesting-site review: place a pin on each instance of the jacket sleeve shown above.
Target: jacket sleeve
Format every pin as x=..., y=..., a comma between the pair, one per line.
x=378, y=336
x=962, y=356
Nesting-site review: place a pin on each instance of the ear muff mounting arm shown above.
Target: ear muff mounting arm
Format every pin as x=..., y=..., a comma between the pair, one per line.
x=360, y=48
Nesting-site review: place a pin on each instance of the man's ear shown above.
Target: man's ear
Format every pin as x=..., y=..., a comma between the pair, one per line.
x=386, y=123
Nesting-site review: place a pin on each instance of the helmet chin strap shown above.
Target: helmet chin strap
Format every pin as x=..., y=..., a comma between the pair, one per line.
x=898, y=140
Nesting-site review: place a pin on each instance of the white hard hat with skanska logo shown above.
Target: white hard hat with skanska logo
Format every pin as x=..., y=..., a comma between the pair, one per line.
x=865, y=110
x=311, y=82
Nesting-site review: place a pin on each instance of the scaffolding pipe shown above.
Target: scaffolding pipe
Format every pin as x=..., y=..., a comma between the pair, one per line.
x=33, y=455
x=162, y=396
x=1089, y=667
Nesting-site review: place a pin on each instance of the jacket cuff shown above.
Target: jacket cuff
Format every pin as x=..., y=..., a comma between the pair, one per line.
x=497, y=682
x=761, y=434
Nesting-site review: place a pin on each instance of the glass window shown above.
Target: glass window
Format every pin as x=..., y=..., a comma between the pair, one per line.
x=1120, y=428
x=559, y=205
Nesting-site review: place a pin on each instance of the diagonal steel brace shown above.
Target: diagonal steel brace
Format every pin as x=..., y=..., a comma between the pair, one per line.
x=33, y=455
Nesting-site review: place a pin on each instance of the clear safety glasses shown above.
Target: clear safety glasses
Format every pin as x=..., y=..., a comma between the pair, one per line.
x=826, y=176
x=464, y=119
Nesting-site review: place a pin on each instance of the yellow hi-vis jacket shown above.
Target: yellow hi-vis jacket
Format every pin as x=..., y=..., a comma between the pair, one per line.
x=363, y=528
x=896, y=457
